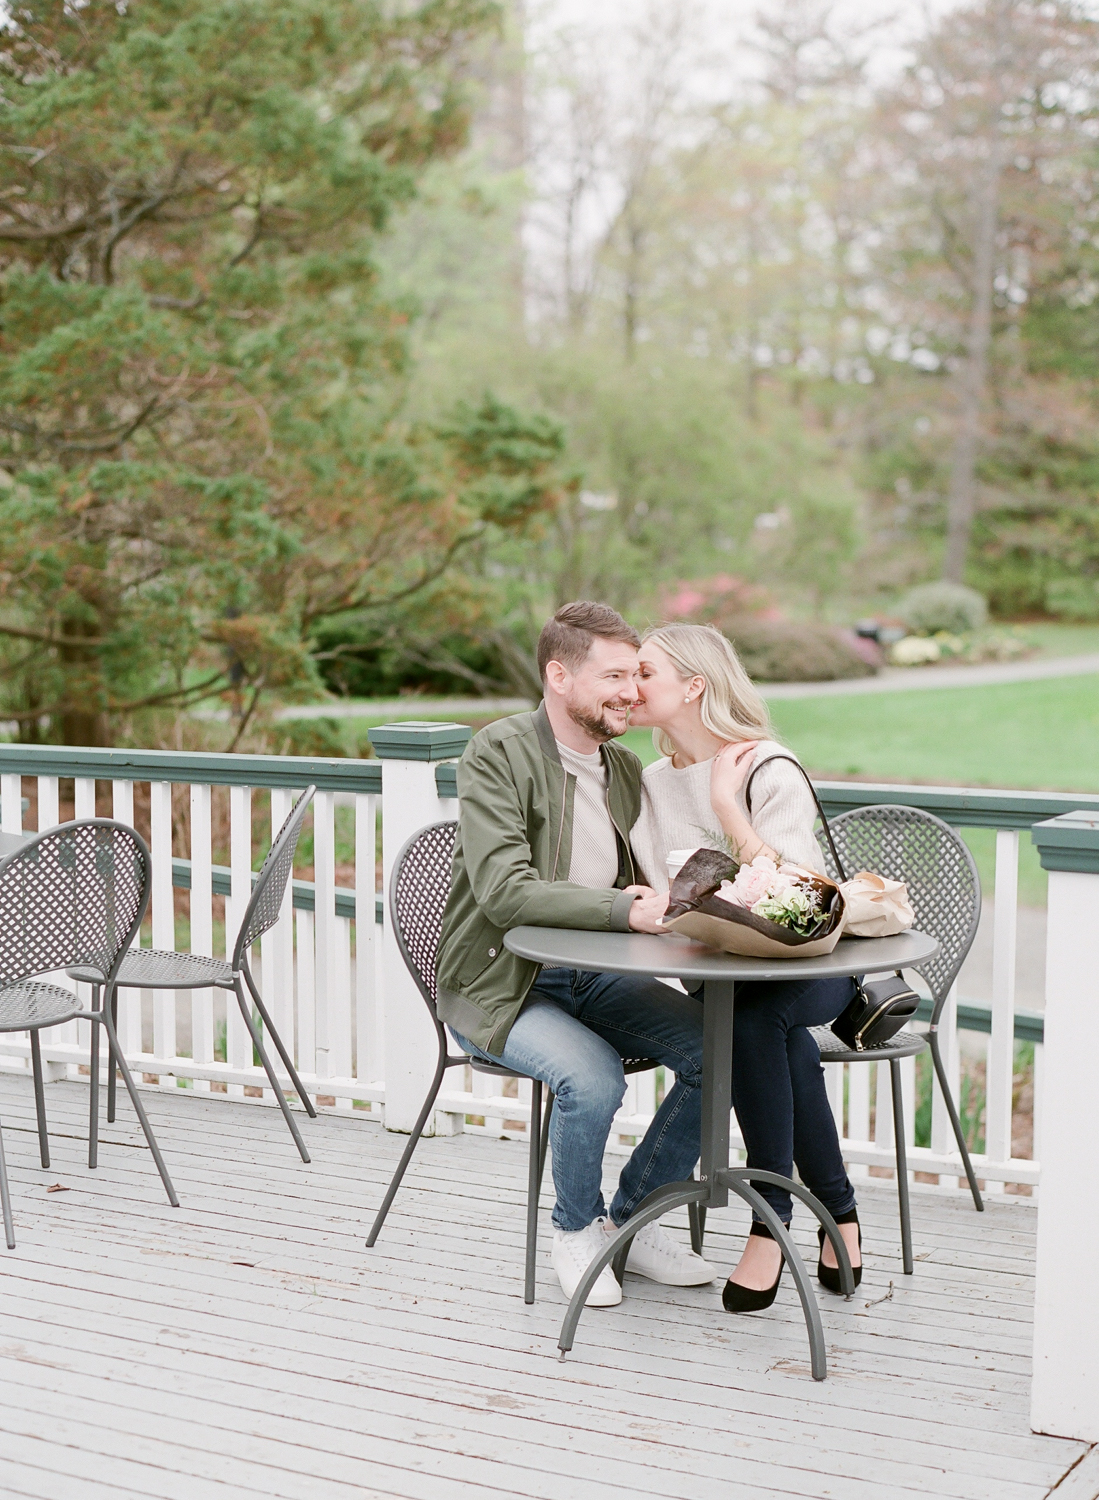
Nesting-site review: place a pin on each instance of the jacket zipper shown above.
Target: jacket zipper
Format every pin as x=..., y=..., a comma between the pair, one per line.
x=561, y=827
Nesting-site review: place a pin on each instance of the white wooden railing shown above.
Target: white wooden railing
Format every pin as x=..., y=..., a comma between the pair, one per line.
x=332, y=975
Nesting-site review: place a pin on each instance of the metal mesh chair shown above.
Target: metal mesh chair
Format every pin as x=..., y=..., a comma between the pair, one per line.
x=73, y=895
x=154, y=969
x=418, y=890
x=905, y=843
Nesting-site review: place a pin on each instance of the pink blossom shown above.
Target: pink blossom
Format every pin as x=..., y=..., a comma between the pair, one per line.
x=752, y=882
x=759, y=879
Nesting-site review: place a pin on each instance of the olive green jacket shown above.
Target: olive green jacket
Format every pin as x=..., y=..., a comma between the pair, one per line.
x=514, y=841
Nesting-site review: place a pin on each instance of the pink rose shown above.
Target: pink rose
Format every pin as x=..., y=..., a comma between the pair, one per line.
x=752, y=882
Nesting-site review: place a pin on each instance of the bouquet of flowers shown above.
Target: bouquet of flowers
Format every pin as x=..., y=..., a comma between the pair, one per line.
x=784, y=894
x=761, y=908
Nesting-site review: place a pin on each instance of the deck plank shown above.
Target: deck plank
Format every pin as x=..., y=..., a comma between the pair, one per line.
x=248, y=1343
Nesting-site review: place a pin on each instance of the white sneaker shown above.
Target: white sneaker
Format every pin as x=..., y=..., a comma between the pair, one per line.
x=572, y=1255
x=654, y=1255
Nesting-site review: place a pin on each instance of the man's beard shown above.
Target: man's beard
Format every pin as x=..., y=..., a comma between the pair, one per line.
x=596, y=726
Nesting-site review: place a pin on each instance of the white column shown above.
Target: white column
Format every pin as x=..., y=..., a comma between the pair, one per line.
x=1065, y=1389
x=1001, y=1044
x=410, y=801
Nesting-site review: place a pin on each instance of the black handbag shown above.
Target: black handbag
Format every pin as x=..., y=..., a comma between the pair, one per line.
x=881, y=1007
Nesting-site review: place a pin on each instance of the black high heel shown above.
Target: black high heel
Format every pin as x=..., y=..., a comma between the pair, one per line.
x=738, y=1299
x=829, y=1276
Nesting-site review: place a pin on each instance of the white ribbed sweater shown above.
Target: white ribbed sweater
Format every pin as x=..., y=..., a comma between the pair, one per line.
x=676, y=813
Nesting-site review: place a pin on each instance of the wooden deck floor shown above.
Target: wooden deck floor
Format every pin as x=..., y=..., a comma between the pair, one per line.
x=247, y=1344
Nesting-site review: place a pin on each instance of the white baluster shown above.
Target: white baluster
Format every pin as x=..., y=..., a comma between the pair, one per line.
x=238, y=1043
x=84, y=796
x=49, y=815
x=306, y=992
x=330, y=1009
x=202, y=925
x=129, y=1001
x=277, y=978
x=883, y=1107
x=833, y=1083
x=368, y=1053
x=164, y=1001
x=942, y=1132
x=645, y=1093
x=1001, y=1045
x=485, y=1086
x=341, y=1052
x=908, y=1094
x=49, y=803
x=1039, y=1098
x=858, y=1112
x=84, y=799
x=11, y=803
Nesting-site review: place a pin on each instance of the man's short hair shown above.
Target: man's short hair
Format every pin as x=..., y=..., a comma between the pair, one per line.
x=568, y=636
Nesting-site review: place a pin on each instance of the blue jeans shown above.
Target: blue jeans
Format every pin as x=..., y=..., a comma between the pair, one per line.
x=778, y=1087
x=573, y=1033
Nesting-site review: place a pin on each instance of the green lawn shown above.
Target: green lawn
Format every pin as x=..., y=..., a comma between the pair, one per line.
x=1042, y=735
x=1030, y=735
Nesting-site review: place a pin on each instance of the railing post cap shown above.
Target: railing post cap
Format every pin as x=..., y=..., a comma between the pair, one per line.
x=1069, y=842
x=419, y=739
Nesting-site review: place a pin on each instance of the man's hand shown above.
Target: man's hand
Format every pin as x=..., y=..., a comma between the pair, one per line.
x=647, y=910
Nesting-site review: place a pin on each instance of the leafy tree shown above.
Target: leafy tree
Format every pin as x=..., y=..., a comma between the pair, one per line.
x=201, y=422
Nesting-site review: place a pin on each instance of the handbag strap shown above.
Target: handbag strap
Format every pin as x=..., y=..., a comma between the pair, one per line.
x=812, y=792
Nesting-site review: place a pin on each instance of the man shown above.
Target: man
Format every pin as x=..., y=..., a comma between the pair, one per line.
x=547, y=804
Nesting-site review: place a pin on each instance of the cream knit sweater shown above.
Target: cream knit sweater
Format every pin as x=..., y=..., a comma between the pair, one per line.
x=676, y=813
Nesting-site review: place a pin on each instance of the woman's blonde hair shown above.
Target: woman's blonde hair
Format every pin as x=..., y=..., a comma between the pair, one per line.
x=731, y=706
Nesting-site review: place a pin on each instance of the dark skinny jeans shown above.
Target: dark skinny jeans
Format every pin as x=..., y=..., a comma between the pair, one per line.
x=778, y=1087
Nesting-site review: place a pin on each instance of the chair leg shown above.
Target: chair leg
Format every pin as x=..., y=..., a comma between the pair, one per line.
x=112, y=1071
x=543, y=1145
x=272, y=1077
x=956, y=1124
x=534, y=1176
x=135, y=1100
x=288, y=1062
x=5, y=1197
x=406, y=1154
x=902, y=1167
x=698, y=1227
x=39, y=1100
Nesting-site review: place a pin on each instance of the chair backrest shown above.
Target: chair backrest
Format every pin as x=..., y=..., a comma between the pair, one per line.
x=419, y=885
x=262, y=911
x=905, y=843
x=73, y=895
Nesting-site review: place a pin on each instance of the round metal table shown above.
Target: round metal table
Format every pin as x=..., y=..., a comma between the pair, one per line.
x=674, y=957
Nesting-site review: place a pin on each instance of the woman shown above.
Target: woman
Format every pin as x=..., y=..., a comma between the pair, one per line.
x=712, y=727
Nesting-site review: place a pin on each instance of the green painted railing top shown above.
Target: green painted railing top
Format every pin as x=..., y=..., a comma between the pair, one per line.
x=1070, y=842
x=328, y=774
x=419, y=740
x=966, y=807
x=963, y=807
